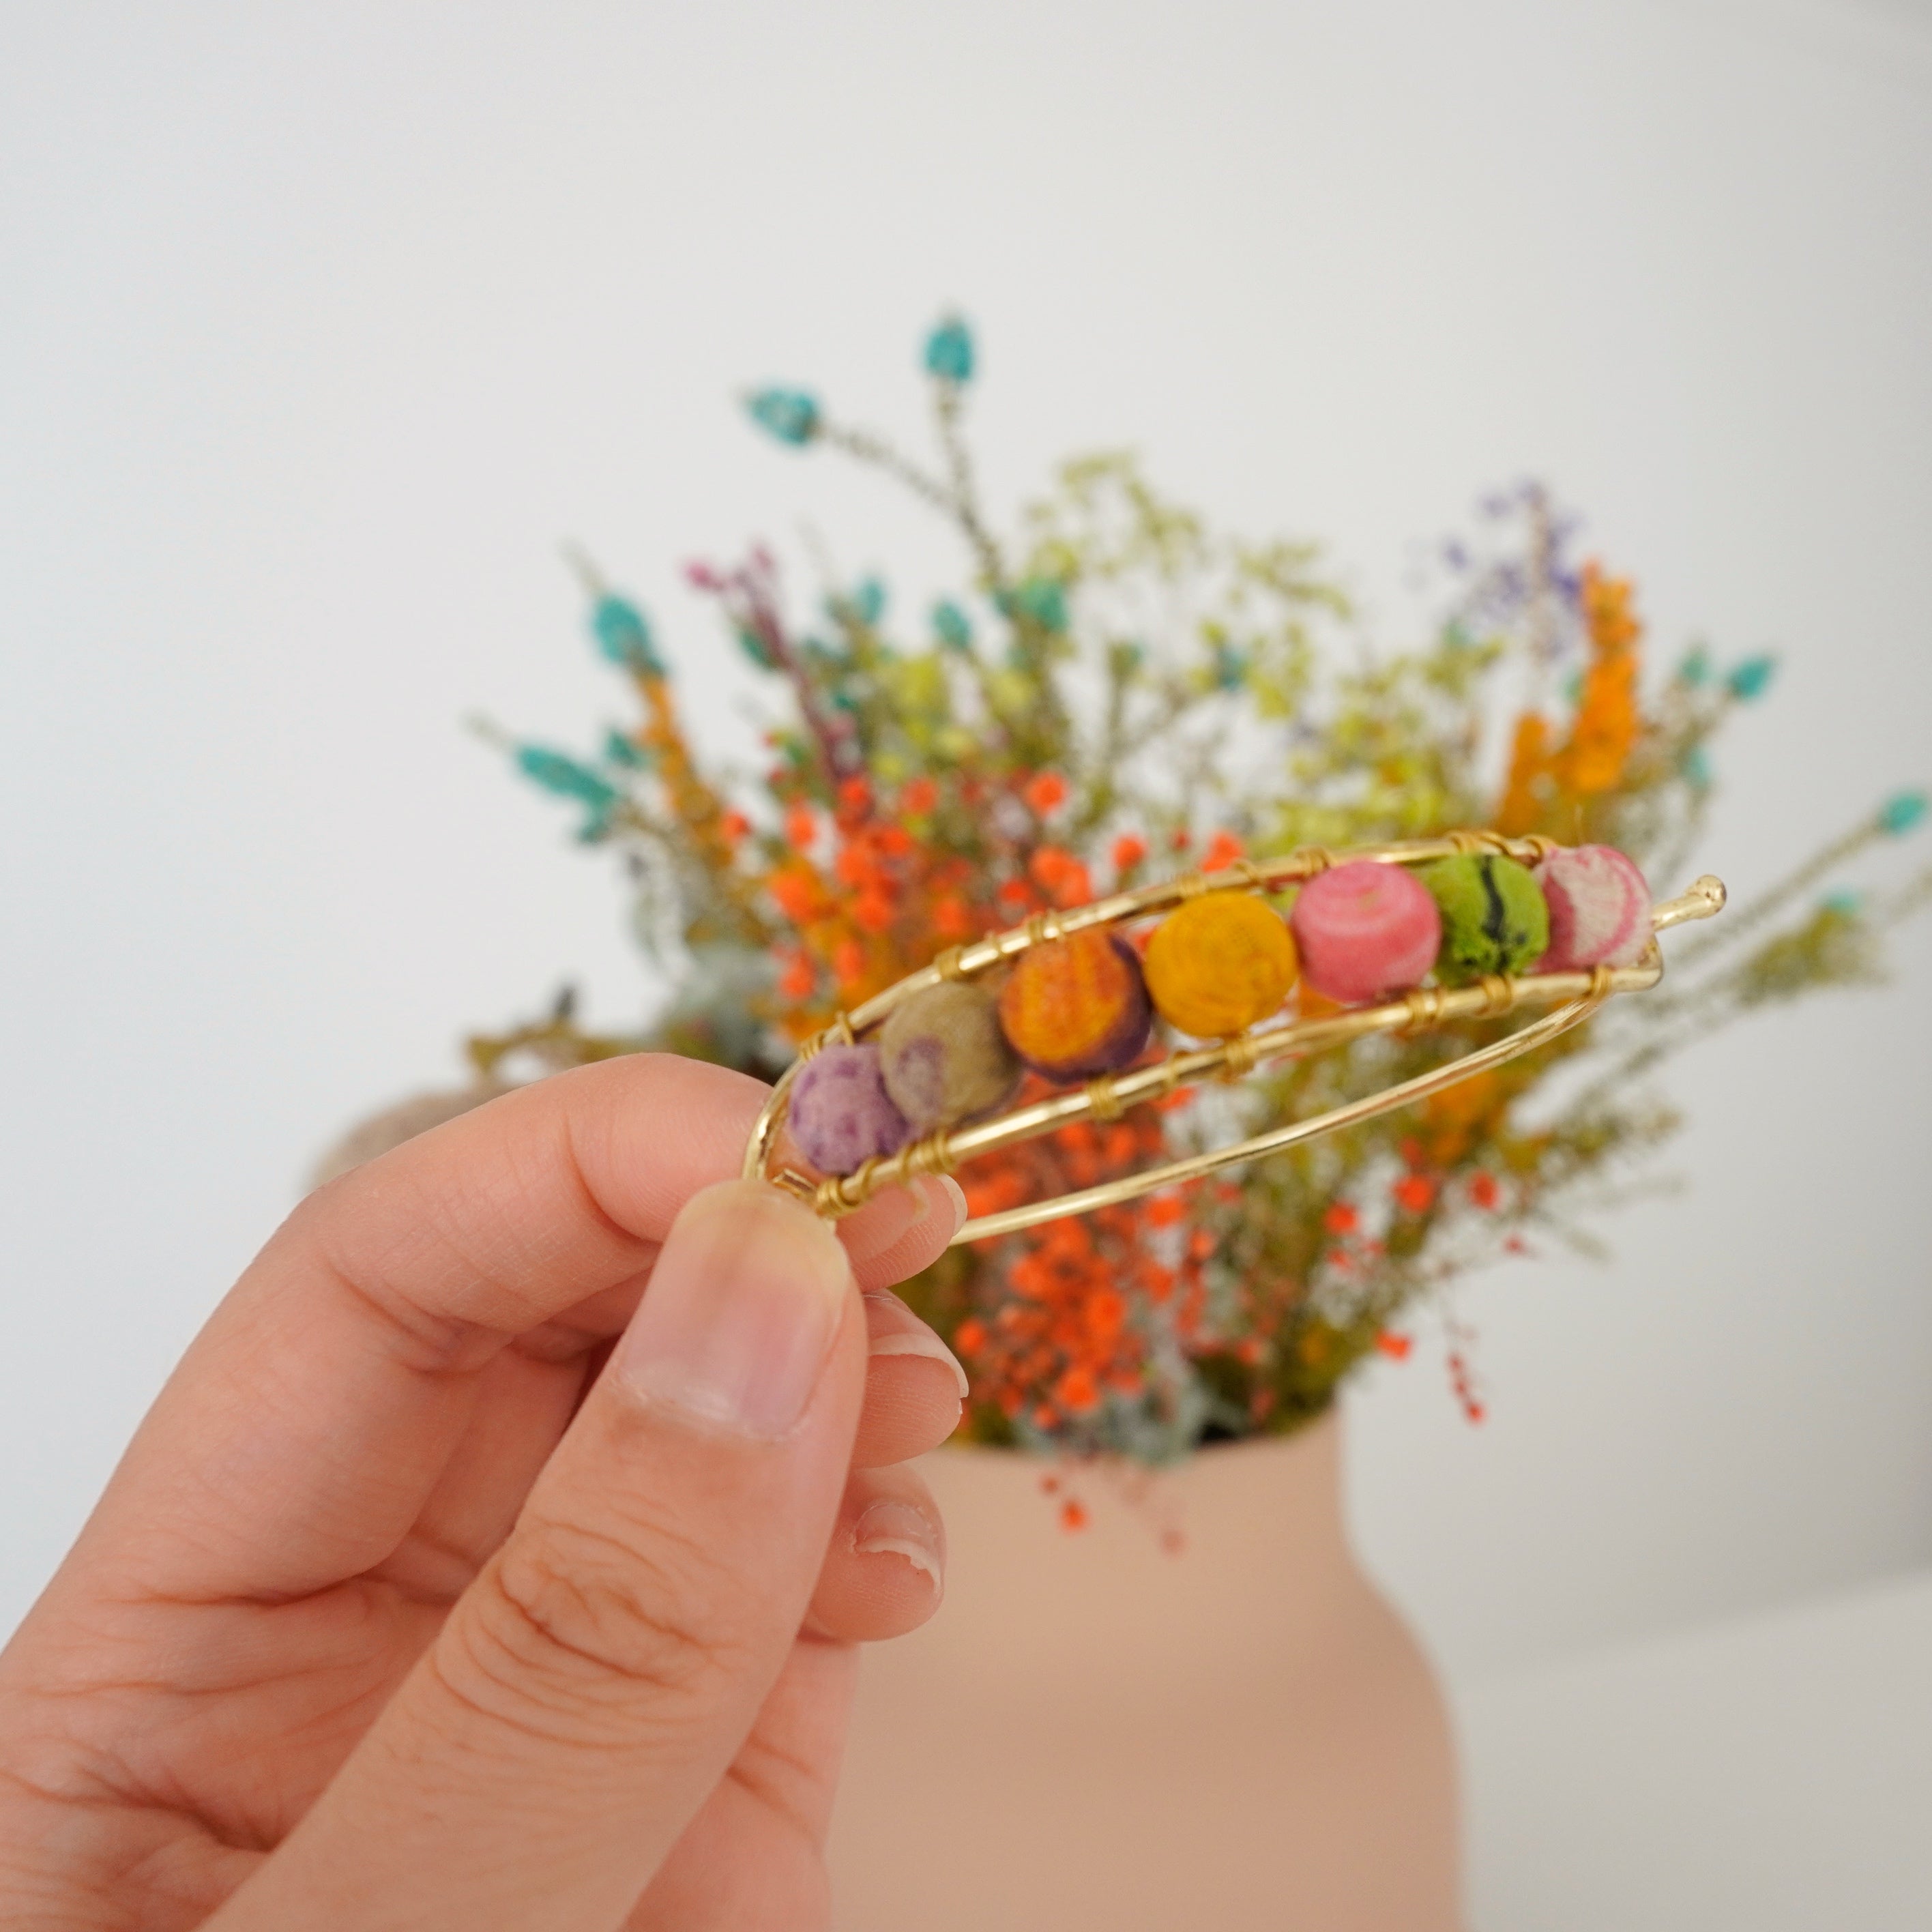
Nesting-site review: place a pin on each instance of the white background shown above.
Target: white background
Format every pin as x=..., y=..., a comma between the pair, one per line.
x=321, y=326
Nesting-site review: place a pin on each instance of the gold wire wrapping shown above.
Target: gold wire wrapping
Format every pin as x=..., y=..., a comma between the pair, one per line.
x=1576, y=996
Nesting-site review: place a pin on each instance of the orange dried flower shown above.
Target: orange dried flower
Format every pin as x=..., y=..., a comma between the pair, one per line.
x=1223, y=850
x=1051, y=864
x=1075, y=1392
x=872, y=910
x=1045, y=792
x=1606, y=723
x=796, y=891
x=799, y=977
x=1531, y=776
x=1415, y=1193
x=1612, y=625
x=950, y=919
x=1078, y=1292
x=1606, y=726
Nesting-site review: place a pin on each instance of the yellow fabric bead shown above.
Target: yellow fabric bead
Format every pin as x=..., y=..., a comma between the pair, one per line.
x=1217, y=964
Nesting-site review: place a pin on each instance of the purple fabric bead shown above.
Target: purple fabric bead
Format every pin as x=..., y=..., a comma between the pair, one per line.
x=841, y=1113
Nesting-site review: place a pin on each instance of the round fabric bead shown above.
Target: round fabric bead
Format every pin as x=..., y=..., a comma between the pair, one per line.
x=1217, y=964
x=1365, y=930
x=1599, y=909
x=1076, y=1007
x=944, y=1057
x=841, y=1113
x=1494, y=919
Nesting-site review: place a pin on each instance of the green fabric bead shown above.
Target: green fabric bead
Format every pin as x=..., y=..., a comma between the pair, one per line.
x=944, y=1057
x=1494, y=918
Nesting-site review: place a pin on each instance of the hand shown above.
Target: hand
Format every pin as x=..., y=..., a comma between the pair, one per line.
x=495, y=1556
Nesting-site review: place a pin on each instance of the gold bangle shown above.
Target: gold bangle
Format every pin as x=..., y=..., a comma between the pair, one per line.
x=1574, y=996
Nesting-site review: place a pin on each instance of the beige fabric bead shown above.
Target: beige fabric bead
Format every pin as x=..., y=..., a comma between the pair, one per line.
x=945, y=1058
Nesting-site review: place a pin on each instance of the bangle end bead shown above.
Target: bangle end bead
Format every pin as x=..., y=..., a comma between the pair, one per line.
x=1599, y=909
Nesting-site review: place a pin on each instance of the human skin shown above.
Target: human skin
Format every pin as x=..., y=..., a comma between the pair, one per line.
x=497, y=1554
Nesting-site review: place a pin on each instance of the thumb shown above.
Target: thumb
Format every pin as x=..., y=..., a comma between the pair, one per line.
x=591, y=1688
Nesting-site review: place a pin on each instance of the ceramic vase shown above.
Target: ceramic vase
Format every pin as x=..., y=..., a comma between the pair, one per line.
x=1195, y=1712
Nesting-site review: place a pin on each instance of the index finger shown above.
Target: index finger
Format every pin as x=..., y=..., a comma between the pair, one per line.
x=303, y=1431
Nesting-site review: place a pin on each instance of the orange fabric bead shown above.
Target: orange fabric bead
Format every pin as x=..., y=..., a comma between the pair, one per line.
x=1217, y=964
x=1076, y=1007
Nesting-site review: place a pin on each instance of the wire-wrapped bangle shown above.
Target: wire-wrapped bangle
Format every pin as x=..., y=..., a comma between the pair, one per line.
x=1574, y=994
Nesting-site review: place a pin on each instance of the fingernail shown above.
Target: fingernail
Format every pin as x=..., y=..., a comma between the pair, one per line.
x=739, y=1314
x=893, y=1329
x=892, y=1529
x=885, y=1220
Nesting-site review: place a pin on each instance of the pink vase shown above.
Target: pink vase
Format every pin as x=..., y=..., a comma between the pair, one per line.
x=1098, y=1731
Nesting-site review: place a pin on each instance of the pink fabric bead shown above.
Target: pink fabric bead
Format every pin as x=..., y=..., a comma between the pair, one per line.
x=1364, y=930
x=1599, y=909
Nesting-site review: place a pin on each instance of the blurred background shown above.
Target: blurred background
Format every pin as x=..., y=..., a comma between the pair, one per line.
x=322, y=327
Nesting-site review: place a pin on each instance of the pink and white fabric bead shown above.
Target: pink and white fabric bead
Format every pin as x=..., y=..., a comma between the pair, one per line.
x=1599, y=909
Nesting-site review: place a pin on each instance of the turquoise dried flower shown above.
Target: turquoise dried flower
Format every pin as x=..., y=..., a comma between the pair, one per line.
x=564, y=776
x=1901, y=812
x=755, y=648
x=568, y=779
x=1751, y=679
x=949, y=351
x=619, y=750
x=869, y=602
x=952, y=626
x=790, y=415
x=1041, y=599
x=623, y=634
